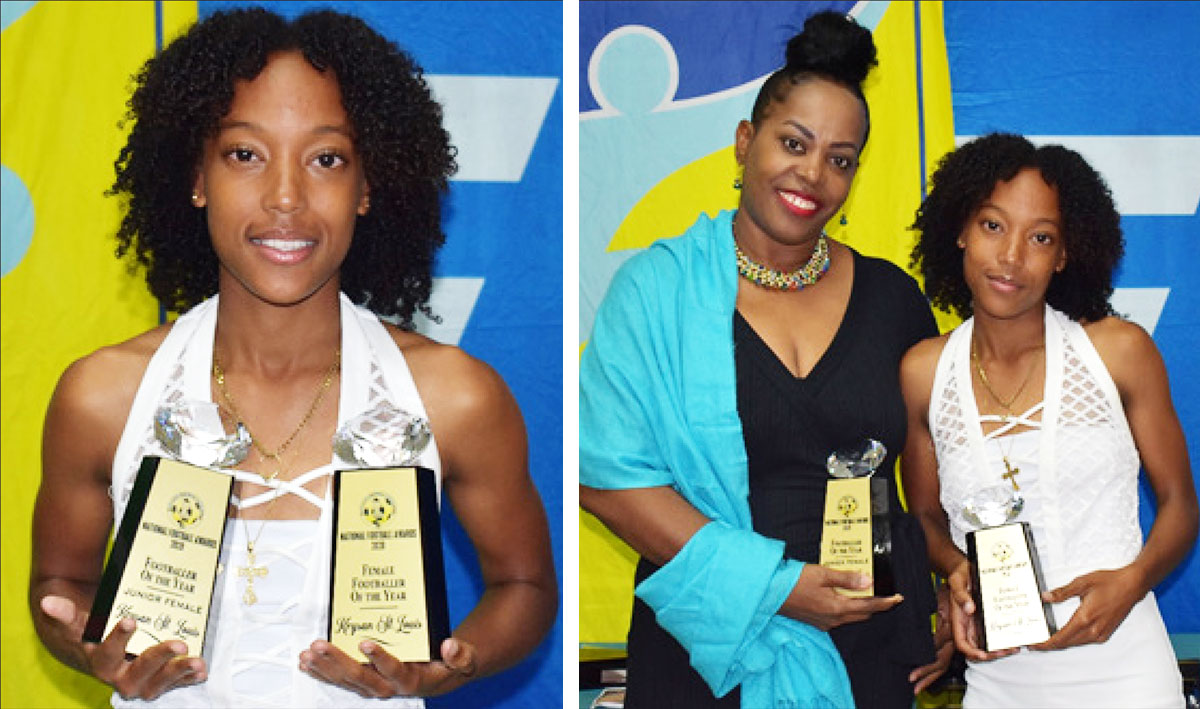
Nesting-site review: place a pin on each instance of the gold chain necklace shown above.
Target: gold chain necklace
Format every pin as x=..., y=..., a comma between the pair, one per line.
x=983, y=377
x=252, y=569
x=1010, y=472
x=277, y=454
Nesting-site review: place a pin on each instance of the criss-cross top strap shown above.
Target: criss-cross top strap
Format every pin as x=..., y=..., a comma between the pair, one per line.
x=278, y=487
x=1025, y=419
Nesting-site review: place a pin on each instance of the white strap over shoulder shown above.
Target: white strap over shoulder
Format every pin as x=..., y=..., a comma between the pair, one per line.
x=947, y=408
x=391, y=380
x=161, y=382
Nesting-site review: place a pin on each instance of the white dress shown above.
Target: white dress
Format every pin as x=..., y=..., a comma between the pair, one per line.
x=1078, y=474
x=255, y=650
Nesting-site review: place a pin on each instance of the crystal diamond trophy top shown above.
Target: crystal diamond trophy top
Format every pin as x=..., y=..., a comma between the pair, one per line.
x=856, y=531
x=385, y=436
x=201, y=433
x=165, y=555
x=1005, y=573
x=388, y=582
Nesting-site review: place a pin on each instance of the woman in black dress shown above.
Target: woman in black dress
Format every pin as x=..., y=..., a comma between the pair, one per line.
x=724, y=367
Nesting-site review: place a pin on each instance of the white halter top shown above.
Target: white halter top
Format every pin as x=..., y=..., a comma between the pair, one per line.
x=1080, y=466
x=255, y=651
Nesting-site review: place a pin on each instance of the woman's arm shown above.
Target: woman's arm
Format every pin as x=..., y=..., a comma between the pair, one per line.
x=481, y=440
x=71, y=523
x=1141, y=378
x=918, y=464
x=487, y=482
x=922, y=490
x=657, y=522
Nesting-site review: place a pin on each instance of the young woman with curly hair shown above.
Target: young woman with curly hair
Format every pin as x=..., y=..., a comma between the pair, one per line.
x=1044, y=392
x=282, y=184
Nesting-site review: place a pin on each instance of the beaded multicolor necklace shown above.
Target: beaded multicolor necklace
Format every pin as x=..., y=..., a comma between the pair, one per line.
x=767, y=277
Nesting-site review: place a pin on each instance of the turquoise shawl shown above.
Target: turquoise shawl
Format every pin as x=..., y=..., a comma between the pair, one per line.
x=658, y=406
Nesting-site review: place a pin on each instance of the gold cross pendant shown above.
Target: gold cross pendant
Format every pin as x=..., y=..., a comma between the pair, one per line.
x=1010, y=473
x=249, y=572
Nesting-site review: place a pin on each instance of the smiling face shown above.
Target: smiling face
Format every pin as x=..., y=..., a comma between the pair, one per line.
x=800, y=160
x=282, y=183
x=1013, y=245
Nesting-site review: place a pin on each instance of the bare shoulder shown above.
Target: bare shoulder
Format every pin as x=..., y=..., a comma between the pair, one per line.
x=921, y=359
x=91, y=403
x=1127, y=350
x=110, y=376
x=917, y=369
x=452, y=383
x=1118, y=338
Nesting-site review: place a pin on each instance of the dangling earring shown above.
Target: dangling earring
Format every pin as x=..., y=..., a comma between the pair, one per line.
x=737, y=183
x=843, y=221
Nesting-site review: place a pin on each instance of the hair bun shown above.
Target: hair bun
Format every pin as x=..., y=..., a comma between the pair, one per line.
x=832, y=44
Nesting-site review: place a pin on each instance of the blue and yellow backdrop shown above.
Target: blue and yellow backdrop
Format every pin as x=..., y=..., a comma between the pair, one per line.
x=497, y=68
x=663, y=85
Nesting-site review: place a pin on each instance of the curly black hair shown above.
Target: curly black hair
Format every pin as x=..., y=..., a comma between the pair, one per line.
x=833, y=47
x=1090, y=222
x=180, y=96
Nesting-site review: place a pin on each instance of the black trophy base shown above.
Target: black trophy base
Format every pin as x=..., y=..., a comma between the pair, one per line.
x=882, y=574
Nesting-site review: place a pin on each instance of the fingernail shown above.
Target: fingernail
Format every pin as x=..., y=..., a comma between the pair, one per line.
x=127, y=625
x=368, y=648
x=178, y=648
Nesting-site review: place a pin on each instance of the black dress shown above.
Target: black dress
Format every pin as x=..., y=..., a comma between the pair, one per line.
x=790, y=425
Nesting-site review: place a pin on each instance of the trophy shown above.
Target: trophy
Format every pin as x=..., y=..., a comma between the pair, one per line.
x=387, y=583
x=856, y=533
x=166, y=553
x=201, y=433
x=1005, y=573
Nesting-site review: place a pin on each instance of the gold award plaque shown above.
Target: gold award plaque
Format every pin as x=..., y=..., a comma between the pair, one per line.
x=846, y=532
x=387, y=583
x=163, y=564
x=1008, y=587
